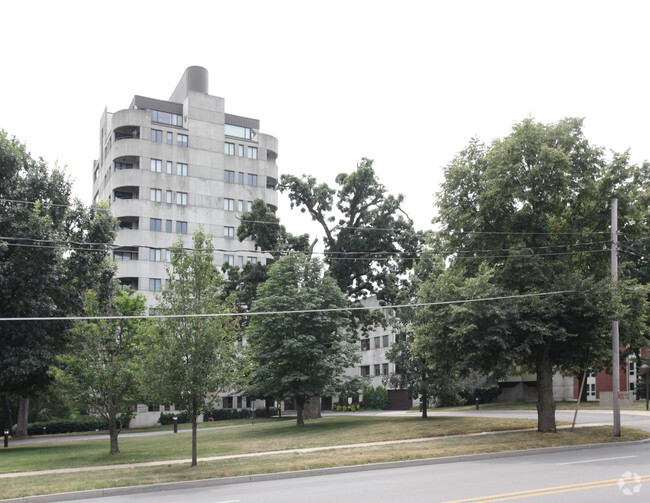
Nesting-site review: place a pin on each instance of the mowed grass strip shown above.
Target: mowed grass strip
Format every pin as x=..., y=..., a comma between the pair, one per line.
x=268, y=436
x=441, y=447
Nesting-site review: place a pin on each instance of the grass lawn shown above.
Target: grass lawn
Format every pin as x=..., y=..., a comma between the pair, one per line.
x=272, y=436
x=638, y=405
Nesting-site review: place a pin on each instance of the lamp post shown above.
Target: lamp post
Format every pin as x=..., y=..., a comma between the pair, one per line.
x=644, y=370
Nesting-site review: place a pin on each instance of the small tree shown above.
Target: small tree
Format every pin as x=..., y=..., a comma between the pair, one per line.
x=189, y=359
x=100, y=359
x=298, y=355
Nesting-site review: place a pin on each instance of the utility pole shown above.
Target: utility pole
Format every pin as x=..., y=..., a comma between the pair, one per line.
x=616, y=372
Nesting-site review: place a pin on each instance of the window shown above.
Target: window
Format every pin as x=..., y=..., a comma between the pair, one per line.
x=181, y=198
x=228, y=204
x=377, y=342
x=124, y=255
x=154, y=312
x=252, y=180
x=229, y=176
x=181, y=140
x=155, y=224
x=168, y=256
x=252, y=152
x=384, y=341
x=156, y=135
x=229, y=148
x=170, y=138
x=155, y=254
x=384, y=368
x=121, y=165
x=155, y=195
x=240, y=205
x=181, y=227
x=365, y=370
x=229, y=259
x=168, y=225
x=156, y=165
x=169, y=197
x=229, y=232
x=377, y=369
x=240, y=178
x=249, y=205
x=240, y=261
x=154, y=284
x=365, y=344
x=154, y=408
x=238, y=131
x=181, y=169
x=227, y=402
x=166, y=118
x=240, y=150
x=170, y=167
x=252, y=260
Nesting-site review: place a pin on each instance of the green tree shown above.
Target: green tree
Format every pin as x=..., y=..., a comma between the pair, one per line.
x=101, y=358
x=46, y=261
x=188, y=360
x=525, y=216
x=298, y=356
x=368, y=238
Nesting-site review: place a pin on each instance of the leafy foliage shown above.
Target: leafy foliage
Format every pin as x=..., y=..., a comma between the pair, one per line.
x=360, y=221
x=101, y=358
x=49, y=259
x=527, y=215
x=188, y=360
x=297, y=355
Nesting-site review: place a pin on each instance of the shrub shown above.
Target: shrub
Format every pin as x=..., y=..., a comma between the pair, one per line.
x=82, y=423
x=376, y=398
x=183, y=417
x=344, y=407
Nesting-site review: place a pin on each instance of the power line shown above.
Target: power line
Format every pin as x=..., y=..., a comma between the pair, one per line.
x=275, y=313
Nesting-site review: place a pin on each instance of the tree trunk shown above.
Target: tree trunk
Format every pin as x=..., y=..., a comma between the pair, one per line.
x=423, y=404
x=113, y=432
x=23, y=412
x=300, y=406
x=7, y=416
x=194, y=427
x=312, y=408
x=545, y=402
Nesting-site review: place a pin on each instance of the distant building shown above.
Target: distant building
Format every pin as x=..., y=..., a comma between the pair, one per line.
x=168, y=166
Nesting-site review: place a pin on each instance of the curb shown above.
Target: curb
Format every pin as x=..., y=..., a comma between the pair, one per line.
x=193, y=484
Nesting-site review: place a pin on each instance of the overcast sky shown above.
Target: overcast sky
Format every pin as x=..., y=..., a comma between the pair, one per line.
x=404, y=83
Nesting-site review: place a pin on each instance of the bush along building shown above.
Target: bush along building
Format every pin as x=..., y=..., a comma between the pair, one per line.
x=169, y=166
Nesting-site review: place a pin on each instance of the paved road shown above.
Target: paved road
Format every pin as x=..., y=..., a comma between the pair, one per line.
x=603, y=474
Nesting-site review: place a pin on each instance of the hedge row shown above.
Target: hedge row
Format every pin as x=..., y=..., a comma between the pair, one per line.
x=83, y=423
x=224, y=414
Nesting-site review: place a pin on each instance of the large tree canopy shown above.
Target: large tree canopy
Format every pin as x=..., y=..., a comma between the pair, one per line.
x=528, y=215
x=48, y=258
x=369, y=240
x=298, y=356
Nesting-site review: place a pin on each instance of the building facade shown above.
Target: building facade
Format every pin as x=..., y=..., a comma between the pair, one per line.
x=169, y=166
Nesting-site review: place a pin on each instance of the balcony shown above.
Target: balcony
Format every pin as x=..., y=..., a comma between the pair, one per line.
x=127, y=133
x=271, y=182
x=131, y=283
x=128, y=192
x=125, y=254
x=128, y=223
x=126, y=162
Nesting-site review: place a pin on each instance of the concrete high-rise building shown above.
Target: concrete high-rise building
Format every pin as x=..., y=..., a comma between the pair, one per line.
x=168, y=166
